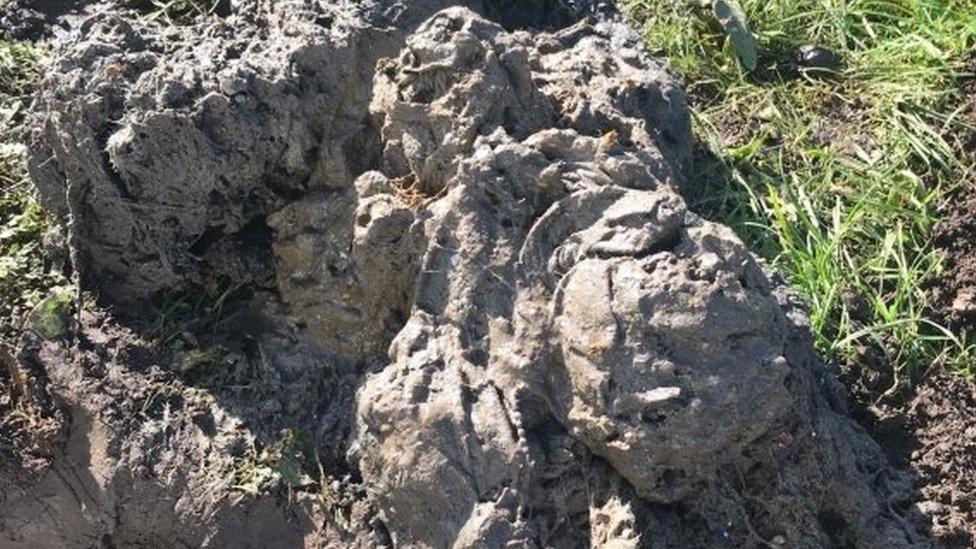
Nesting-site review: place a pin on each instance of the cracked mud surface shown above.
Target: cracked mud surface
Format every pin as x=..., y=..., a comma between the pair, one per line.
x=475, y=293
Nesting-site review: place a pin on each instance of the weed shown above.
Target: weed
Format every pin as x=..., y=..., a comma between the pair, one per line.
x=19, y=69
x=252, y=476
x=836, y=179
x=292, y=463
x=176, y=12
x=25, y=274
x=732, y=19
x=297, y=460
x=185, y=313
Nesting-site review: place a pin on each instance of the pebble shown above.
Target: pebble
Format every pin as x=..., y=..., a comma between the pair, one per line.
x=811, y=56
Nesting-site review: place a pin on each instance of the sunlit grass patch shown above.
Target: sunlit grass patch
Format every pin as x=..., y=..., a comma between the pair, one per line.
x=835, y=175
x=18, y=69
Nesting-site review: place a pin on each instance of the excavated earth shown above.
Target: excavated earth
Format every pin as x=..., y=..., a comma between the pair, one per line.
x=478, y=312
x=941, y=420
x=933, y=436
x=955, y=234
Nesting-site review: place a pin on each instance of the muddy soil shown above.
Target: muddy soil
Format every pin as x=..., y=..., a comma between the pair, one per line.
x=478, y=311
x=932, y=435
x=955, y=293
x=956, y=236
x=41, y=19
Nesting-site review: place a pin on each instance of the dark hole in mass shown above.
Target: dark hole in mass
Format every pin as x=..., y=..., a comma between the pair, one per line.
x=542, y=14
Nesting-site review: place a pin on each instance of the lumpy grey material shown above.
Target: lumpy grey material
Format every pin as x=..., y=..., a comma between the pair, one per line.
x=486, y=291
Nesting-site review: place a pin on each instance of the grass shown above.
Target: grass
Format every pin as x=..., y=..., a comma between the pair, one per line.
x=292, y=463
x=837, y=177
x=25, y=276
x=193, y=310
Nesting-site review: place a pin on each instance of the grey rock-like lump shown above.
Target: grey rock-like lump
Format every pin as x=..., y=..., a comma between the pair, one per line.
x=671, y=363
x=567, y=293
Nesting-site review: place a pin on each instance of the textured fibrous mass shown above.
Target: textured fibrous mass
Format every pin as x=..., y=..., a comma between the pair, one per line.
x=484, y=292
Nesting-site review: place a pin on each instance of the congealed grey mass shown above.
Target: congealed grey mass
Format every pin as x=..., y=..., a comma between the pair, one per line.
x=483, y=298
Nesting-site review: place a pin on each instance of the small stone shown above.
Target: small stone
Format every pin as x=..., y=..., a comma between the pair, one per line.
x=964, y=303
x=660, y=394
x=931, y=508
x=811, y=56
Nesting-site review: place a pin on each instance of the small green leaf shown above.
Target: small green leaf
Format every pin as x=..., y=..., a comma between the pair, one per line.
x=254, y=479
x=730, y=16
x=289, y=468
x=52, y=318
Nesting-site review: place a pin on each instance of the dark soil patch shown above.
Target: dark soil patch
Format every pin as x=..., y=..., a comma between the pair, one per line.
x=933, y=437
x=965, y=137
x=955, y=293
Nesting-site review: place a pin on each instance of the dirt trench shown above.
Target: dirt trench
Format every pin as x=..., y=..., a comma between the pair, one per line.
x=477, y=310
x=933, y=431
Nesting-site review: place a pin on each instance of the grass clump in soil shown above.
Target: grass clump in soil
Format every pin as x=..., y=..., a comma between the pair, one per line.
x=835, y=172
x=29, y=428
x=25, y=274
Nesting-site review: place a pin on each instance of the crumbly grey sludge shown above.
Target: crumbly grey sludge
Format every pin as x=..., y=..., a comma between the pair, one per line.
x=485, y=299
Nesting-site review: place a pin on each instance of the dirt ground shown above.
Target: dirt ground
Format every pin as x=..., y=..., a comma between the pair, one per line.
x=956, y=232
x=932, y=436
x=931, y=433
x=938, y=427
x=956, y=235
